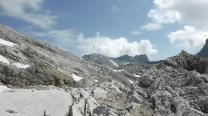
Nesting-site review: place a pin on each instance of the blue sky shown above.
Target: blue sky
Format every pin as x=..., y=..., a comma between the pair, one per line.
x=158, y=28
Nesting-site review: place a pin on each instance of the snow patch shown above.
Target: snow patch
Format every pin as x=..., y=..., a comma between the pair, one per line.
x=115, y=64
x=76, y=78
x=19, y=65
x=6, y=43
x=3, y=88
x=4, y=60
x=117, y=70
x=137, y=75
x=96, y=81
x=75, y=71
x=131, y=81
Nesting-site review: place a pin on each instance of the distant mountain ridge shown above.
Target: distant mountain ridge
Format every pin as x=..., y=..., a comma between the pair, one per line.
x=101, y=60
x=138, y=59
x=116, y=62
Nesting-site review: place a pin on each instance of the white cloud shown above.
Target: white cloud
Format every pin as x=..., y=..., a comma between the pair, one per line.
x=188, y=38
x=29, y=11
x=185, y=12
x=191, y=12
x=152, y=26
x=135, y=33
x=113, y=47
x=164, y=17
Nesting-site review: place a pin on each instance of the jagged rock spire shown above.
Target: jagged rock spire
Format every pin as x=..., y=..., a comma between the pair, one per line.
x=204, y=50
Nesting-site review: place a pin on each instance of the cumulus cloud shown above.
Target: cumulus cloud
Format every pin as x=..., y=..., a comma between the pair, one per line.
x=185, y=12
x=191, y=12
x=152, y=26
x=29, y=11
x=113, y=47
x=164, y=17
x=188, y=38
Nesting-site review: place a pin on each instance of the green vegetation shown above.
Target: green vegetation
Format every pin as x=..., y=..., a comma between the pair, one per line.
x=55, y=77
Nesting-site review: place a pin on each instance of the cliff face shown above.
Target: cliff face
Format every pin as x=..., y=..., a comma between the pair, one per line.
x=204, y=50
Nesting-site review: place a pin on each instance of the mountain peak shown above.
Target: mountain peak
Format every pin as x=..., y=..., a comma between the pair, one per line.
x=204, y=51
x=183, y=53
x=206, y=41
x=133, y=60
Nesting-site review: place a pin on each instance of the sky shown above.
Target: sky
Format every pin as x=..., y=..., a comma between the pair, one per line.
x=157, y=28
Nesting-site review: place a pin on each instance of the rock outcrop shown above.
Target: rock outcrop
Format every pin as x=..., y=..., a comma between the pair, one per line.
x=204, y=51
x=138, y=59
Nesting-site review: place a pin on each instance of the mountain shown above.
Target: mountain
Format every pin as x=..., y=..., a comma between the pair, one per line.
x=189, y=62
x=38, y=79
x=25, y=61
x=128, y=66
x=204, y=50
x=101, y=60
x=138, y=59
x=180, y=84
x=117, y=62
x=177, y=86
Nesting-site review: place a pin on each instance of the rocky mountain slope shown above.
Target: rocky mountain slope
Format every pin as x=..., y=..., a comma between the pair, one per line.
x=117, y=62
x=127, y=66
x=204, y=50
x=124, y=64
x=101, y=60
x=24, y=61
x=30, y=70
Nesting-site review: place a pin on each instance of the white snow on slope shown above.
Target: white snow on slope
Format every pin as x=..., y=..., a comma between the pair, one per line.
x=19, y=65
x=4, y=60
x=136, y=75
x=3, y=88
x=131, y=81
x=118, y=70
x=6, y=43
x=115, y=64
x=76, y=78
x=25, y=102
